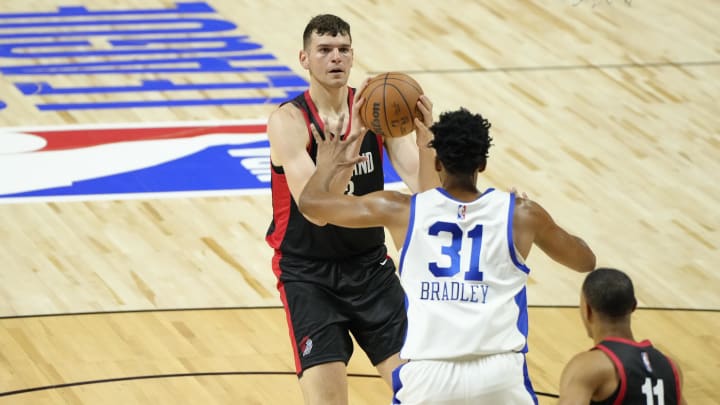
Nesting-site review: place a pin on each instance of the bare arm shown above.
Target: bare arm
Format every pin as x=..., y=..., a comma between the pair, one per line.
x=588, y=375
x=413, y=160
x=288, y=135
x=532, y=224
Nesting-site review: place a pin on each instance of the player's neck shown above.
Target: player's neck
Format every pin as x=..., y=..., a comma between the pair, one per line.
x=329, y=100
x=618, y=330
x=461, y=188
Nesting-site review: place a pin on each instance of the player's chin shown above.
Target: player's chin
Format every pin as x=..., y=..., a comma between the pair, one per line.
x=336, y=81
x=337, y=76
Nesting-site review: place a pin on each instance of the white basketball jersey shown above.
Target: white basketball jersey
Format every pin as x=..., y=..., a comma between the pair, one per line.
x=464, y=281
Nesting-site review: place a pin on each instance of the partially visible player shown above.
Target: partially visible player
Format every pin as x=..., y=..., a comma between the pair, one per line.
x=618, y=369
x=461, y=266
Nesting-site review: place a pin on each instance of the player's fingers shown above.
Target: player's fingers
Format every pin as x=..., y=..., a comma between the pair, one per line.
x=341, y=124
x=425, y=112
x=315, y=133
x=353, y=161
x=358, y=103
x=419, y=125
x=328, y=134
x=360, y=89
x=425, y=107
x=351, y=138
x=425, y=100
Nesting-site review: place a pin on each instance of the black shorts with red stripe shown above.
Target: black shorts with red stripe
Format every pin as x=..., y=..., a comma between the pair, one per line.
x=326, y=301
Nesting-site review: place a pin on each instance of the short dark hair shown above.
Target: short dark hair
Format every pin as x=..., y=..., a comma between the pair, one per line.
x=325, y=24
x=609, y=292
x=462, y=141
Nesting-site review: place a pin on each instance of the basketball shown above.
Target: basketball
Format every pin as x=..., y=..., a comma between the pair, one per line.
x=391, y=104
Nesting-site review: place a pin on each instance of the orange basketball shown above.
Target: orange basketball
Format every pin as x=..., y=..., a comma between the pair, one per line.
x=391, y=104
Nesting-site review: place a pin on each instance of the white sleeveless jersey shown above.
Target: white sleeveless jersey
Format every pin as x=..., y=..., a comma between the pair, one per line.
x=464, y=281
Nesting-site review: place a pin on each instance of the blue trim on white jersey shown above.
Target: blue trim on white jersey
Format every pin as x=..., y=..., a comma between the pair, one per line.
x=511, y=244
x=408, y=236
x=522, y=322
x=407, y=307
x=446, y=194
x=528, y=384
x=396, y=383
x=408, y=232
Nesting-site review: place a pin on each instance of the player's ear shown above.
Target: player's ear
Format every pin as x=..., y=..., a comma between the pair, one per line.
x=585, y=310
x=303, y=57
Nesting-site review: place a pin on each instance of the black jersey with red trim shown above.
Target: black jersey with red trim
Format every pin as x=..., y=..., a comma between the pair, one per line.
x=646, y=375
x=292, y=234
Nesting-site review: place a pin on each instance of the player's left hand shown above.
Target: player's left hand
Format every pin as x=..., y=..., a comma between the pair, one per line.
x=523, y=195
x=425, y=106
x=356, y=125
x=333, y=150
x=422, y=132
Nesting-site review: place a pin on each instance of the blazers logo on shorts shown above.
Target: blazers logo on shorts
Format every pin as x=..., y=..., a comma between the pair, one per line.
x=306, y=346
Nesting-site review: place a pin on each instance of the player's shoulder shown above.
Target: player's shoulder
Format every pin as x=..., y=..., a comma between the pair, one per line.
x=287, y=118
x=525, y=204
x=287, y=112
x=594, y=363
x=528, y=211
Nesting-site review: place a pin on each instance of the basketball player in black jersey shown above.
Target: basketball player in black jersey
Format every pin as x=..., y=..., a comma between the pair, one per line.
x=335, y=281
x=618, y=369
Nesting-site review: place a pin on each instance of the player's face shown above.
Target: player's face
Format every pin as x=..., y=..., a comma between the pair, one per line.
x=328, y=59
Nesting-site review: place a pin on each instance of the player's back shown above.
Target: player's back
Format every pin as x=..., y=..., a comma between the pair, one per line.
x=646, y=376
x=464, y=281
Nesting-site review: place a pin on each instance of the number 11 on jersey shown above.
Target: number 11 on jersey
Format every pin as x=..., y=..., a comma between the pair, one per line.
x=649, y=390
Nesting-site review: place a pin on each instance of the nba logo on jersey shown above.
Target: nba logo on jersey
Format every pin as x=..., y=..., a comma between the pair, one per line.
x=646, y=361
x=461, y=211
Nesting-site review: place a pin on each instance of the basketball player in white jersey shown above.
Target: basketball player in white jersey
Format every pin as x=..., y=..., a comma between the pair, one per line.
x=461, y=264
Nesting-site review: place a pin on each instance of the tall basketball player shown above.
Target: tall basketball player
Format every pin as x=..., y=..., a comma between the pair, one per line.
x=334, y=281
x=461, y=266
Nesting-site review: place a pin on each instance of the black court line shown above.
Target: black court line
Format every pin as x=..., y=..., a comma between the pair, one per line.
x=136, y=311
x=180, y=375
x=551, y=68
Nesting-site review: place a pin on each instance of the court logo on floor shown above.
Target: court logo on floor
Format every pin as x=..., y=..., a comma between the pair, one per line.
x=137, y=161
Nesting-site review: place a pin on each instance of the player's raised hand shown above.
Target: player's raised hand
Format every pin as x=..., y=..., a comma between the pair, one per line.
x=423, y=134
x=333, y=150
x=515, y=191
x=422, y=124
x=356, y=122
x=425, y=106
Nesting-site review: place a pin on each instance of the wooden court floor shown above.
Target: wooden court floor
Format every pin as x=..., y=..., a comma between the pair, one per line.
x=607, y=115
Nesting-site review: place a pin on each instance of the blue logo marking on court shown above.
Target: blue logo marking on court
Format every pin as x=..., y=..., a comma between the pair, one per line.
x=138, y=161
x=189, y=38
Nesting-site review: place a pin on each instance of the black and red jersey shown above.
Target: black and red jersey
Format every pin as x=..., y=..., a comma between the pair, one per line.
x=292, y=234
x=646, y=376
